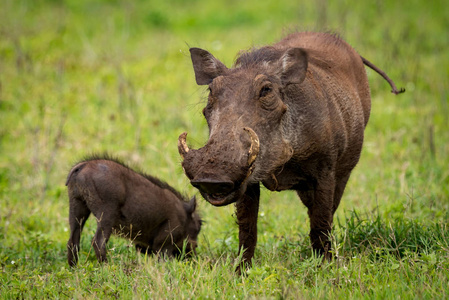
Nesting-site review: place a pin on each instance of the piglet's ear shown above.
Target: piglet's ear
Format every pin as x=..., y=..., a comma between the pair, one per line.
x=191, y=206
x=206, y=66
x=293, y=65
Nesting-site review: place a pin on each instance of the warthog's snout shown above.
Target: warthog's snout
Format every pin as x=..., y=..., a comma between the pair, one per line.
x=219, y=170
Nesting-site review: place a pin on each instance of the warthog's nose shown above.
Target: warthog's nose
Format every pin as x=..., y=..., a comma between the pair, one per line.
x=213, y=186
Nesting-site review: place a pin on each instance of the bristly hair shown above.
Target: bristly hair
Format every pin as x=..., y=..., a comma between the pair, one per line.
x=152, y=179
x=267, y=54
x=257, y=56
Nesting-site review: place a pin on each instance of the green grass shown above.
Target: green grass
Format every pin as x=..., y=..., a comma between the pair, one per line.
x=80, y=77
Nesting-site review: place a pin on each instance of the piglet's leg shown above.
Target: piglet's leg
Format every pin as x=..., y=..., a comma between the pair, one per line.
x=247, y=209
x=105, y=223
x=78, y=214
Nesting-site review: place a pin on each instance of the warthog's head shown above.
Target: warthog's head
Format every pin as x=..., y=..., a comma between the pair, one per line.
x=247, y=122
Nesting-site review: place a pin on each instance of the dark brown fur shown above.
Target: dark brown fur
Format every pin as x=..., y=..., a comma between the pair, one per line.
x=308, y=100
x=133, y=205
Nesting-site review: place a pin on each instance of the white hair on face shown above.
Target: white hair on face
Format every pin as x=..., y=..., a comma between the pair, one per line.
x=285, y=62
x=215, y=116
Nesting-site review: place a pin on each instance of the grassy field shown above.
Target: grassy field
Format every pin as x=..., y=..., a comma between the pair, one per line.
x=80, y=77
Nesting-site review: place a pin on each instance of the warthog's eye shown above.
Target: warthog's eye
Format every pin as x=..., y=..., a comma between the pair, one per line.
x=265, y=90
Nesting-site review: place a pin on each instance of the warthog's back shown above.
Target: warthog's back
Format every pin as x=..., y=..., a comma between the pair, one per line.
x=106, y=184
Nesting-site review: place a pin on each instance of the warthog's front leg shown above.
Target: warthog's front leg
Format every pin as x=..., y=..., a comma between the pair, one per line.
x=247, y=210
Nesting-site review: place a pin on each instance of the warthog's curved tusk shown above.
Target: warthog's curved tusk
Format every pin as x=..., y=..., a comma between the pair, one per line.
x=254, y=149
x=182, y=145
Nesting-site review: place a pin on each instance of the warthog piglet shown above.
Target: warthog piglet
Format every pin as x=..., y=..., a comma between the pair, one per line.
x=156, y=217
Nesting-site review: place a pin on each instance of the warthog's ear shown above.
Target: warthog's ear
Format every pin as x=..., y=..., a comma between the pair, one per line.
x=293, y=65
x=206, y=66
x=191, y=206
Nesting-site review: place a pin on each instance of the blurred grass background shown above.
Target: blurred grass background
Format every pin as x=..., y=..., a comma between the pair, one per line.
x=81, y=77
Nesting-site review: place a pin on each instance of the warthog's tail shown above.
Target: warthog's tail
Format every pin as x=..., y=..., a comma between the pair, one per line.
x=74, y=171
x=384, y=75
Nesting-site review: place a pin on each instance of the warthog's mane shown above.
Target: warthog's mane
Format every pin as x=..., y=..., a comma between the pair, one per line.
x=268, y=54
x=152, y=179
x=256, y=56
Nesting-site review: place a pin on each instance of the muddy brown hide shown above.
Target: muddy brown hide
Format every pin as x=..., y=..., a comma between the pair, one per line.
x=135, y=206
x=291, y=116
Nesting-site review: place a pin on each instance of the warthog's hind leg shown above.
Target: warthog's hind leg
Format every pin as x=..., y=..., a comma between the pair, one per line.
x=320, y=203
x=105, y=223
x=78, y=214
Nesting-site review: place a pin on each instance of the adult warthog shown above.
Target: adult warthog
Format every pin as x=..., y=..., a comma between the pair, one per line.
x=292, y=116
x=137, y=206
